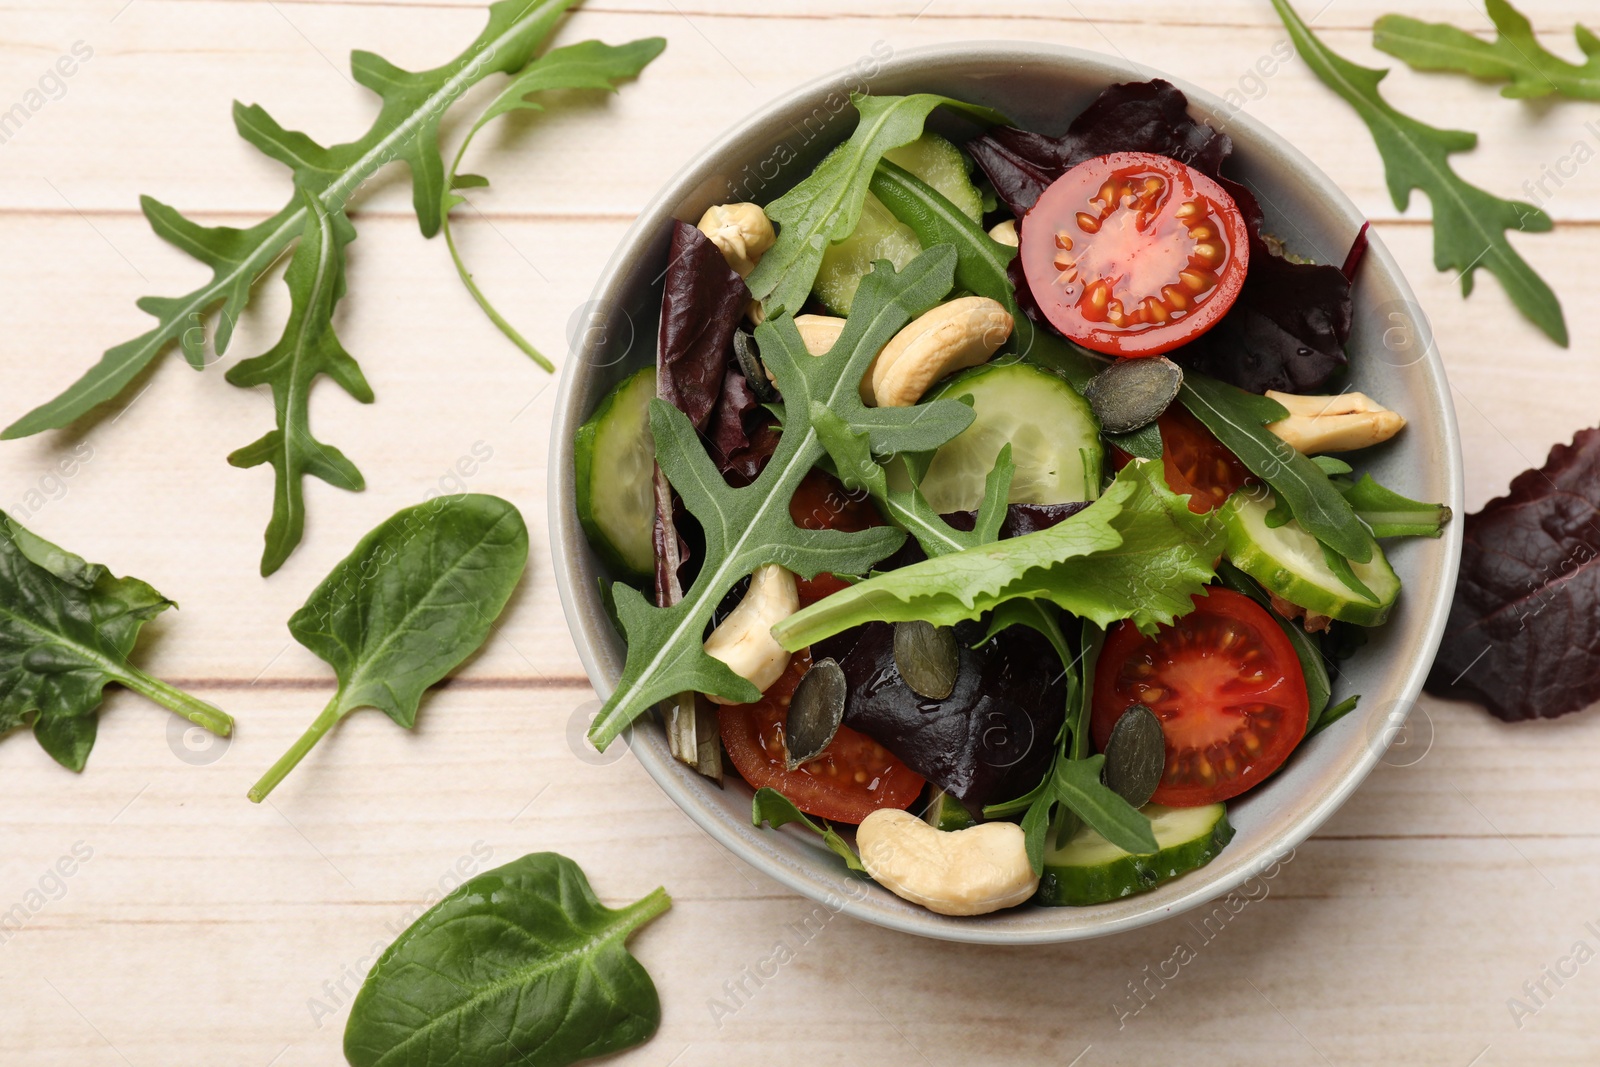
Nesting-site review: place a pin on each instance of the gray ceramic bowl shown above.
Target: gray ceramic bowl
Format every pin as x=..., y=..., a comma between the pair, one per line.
x=1392, y=358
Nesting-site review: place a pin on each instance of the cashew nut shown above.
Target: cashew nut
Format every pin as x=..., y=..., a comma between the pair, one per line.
x=1334, y=423
x=744, y=639
x=742, y=232
x=819, y=332
x=955, y=335
x=1005, y=232
x=953, y=872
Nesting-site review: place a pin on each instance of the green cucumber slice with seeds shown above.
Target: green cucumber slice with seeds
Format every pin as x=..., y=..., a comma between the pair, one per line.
x=1289, y=562
x=1088, y=869
x=1055, y=441
x=879, y=235
x=615, y=461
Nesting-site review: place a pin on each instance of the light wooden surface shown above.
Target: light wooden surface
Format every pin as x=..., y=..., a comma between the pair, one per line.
x=203, y=930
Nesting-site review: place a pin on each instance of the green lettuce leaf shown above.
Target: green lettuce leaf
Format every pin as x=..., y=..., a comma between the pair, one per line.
x=1136, y=553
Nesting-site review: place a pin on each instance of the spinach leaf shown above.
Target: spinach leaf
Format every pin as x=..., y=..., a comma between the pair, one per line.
x=415, y=597
x=749, y=526
x=1514, y=56
x=1137, y=552
x=1469, y=225
x=1238, y=419
x=520, y=965
x=67, y=628
x=585, y=65
x=826, y=205
x=772, y=807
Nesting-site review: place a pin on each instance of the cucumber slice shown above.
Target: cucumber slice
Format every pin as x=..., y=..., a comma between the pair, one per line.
x=1055, y=441
x=945, y=812
x=615, y=460
x=879, y=235
x=941, y=164
x=1088, y=869
x=1290, y=562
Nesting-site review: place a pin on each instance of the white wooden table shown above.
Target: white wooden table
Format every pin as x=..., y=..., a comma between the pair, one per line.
x=205, y=930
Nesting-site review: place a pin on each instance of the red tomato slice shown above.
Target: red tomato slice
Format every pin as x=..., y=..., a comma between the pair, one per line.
x=853, y=777
x=1134, y=254
x=1228, y=690
x=1196, y=463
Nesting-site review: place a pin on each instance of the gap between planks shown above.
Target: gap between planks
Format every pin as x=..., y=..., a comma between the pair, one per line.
x=620, y=217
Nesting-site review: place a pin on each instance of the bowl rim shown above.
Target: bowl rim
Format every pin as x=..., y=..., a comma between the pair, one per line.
x=765, y=857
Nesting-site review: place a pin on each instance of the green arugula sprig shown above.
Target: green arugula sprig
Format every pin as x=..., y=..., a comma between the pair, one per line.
x=1469, y=224
x=1515, y=56
x=826, y=205
x=67, y=628
x=746, y=528
x=325, y=179
x=773, y=808
x=586, y=65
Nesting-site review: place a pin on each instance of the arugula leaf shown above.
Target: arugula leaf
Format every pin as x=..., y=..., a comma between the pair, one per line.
x=1515, y=55
x=772, y=807
x=826, y=205
x=1388, y=514
x=1334, y=714
x=586, y=65
x=519, y=965
x=1238, y=419
x=1469, y=225
x=412, y=600
x=1076, y=784
x=750, y=526
x=67, y=628
x=307, y=349
x=406, y=129
x=1137, y=552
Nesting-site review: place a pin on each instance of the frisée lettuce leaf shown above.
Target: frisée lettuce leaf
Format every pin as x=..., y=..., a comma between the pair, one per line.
x=1136, y=553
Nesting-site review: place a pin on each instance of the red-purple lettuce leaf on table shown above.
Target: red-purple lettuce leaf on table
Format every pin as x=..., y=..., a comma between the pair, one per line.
x=1287, y=328
x=1524, y=632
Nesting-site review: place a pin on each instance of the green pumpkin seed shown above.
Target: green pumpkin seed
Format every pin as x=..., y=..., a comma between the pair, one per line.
x=815, y=712
x=1136, y=754
x=926, y=657
x=748, y=357
x=1132, y=393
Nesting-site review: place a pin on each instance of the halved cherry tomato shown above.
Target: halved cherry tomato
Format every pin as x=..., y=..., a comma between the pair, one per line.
x=1196, y=463
x=823, y=503
x=853, y=777
x=1134, y=254
x=1228, y=690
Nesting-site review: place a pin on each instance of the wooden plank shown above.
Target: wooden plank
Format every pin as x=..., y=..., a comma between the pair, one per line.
x=718, y=69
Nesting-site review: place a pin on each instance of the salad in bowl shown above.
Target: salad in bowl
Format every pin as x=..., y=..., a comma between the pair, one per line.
x=994, y=507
